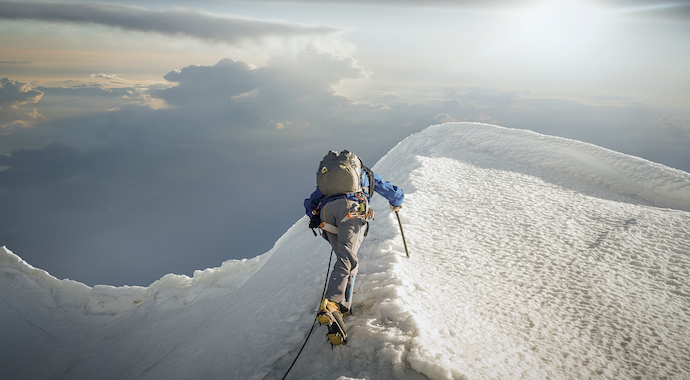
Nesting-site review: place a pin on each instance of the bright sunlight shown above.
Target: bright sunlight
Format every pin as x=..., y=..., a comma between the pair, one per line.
x=561, y=27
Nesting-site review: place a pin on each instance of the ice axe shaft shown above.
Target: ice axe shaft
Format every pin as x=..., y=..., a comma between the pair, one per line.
x=402, y=234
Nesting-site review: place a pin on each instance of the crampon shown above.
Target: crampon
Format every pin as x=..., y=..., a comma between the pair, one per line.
x=330, y=316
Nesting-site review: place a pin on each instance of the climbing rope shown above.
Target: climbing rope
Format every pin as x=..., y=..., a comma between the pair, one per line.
x=323, y=294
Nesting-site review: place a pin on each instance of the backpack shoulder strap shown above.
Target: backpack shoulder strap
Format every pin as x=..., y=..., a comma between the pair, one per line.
x=370, y=174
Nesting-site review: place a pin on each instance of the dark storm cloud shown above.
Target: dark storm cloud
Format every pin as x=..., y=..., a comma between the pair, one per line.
x=169, y=22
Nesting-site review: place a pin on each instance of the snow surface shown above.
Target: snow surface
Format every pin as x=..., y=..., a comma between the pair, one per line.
x=531, y=257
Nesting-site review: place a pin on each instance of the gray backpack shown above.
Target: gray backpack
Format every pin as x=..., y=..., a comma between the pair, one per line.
x=340, y=174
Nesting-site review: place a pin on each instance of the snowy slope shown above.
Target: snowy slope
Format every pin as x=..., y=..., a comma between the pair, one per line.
x=531, y=257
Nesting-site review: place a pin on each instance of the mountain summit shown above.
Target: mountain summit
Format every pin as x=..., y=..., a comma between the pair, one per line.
x=531, y=256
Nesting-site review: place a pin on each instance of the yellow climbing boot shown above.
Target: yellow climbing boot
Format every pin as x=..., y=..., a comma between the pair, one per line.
x=326, y=310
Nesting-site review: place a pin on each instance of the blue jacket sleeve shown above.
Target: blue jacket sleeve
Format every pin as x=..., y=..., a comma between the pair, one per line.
x=392, y=193
x=312, y=202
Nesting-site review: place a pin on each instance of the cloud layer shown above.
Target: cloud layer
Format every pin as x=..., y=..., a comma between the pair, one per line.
x=170, y=22
x=189, y=186
x=221, y=172
x=13, y=95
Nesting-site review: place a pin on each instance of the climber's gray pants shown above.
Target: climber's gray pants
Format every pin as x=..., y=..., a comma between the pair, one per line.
x=345, y=244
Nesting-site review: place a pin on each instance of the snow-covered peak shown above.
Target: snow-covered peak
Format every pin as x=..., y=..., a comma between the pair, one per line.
x=531, y=257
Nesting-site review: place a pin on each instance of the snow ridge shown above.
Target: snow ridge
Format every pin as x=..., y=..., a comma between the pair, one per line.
x=531, y=257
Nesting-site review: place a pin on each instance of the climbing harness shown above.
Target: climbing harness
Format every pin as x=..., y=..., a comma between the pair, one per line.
x=360, y=211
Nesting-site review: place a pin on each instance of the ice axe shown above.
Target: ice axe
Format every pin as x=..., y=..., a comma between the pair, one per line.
x=402, y=234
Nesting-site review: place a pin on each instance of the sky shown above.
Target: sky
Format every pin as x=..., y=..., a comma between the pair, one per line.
x=176, y=135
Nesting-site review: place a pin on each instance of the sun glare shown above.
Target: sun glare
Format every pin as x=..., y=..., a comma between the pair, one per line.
x=561, y=26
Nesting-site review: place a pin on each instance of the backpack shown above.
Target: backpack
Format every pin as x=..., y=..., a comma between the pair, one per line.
x=340, y=174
